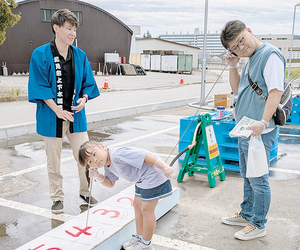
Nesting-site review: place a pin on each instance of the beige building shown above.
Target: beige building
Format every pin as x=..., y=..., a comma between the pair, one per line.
x=213, y=42
x=283, y=42
x=160, y=44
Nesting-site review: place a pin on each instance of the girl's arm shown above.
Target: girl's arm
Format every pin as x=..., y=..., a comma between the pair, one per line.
x=166, y=169
x=108, y=183
x=150, y=159
x=93, y=173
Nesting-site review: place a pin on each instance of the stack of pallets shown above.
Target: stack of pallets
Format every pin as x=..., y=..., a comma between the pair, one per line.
x=228, y=147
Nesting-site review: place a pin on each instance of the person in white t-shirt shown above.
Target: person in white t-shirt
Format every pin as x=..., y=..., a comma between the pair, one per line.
x=265, y=68
x=149, y=173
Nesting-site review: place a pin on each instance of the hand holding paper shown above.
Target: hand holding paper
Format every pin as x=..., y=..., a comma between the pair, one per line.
x=242, y=128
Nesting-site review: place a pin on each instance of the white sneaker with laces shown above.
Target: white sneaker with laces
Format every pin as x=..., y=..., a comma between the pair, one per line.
x=235, y=220
x=250, y=232
x=132, y=241
x=140, y=246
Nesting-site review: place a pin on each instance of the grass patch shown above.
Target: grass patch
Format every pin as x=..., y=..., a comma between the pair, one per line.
x=10, y=94
x=294, y=71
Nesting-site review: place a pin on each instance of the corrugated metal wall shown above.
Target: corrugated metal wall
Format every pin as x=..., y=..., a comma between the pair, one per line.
x=99, y=33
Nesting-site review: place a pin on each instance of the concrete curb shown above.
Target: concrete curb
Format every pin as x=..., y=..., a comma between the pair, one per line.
x=30, y=127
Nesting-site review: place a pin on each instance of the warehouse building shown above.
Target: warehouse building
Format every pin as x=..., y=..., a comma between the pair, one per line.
x=155, y=44
x=99, y=32
x=213, y=42
x=214, y=46
x=283, y=42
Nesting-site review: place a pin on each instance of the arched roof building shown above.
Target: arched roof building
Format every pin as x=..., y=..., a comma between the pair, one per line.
x=99, y=32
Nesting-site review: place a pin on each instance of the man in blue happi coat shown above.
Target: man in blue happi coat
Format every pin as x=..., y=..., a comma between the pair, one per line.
x=60, y=83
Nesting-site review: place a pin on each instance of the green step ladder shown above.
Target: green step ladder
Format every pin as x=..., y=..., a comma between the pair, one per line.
x=204, y=131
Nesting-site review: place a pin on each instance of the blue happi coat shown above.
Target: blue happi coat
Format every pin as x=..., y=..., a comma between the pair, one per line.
x=42, y=86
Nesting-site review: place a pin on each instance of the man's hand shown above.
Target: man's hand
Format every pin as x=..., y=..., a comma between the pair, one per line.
x=81, y=102
x=64, y=115
x=257, y=128
x=233, y=61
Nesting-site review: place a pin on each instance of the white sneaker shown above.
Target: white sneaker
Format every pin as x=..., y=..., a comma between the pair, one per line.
x=235, y=220
x=140, y=246
x=250, y=232
x=132, y=241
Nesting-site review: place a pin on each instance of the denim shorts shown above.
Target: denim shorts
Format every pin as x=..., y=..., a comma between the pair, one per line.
x=152, y=194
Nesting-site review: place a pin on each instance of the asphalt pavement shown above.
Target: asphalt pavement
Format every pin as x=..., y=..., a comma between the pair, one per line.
x=126, y=95
x=142, y=111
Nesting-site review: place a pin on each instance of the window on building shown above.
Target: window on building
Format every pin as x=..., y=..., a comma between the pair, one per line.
x=47, y=14
x=78, y=14
x=266, y=38
x=281, y=38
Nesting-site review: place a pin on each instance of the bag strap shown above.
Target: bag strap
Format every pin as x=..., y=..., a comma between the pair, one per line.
x=258, y=90
x=255, y=87
x=287, y=96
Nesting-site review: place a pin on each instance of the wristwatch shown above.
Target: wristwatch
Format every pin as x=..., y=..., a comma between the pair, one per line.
x=265, y=123
x=86, y=98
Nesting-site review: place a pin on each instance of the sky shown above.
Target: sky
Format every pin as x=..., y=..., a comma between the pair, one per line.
x=161, y=16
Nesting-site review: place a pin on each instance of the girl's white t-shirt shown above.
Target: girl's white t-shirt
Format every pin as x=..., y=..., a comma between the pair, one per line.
x=129, y=163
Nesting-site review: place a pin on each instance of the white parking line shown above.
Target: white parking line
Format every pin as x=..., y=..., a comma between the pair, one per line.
x=291, y=135
x=34, y=210
x=144, y=136
x=176, y=244
x=157, y=239
x=47, y=212
x=24, y=171
x=282, y=170
x=21, y=172
x=28, y=170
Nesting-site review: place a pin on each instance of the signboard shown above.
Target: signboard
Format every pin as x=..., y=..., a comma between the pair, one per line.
x=211, y=142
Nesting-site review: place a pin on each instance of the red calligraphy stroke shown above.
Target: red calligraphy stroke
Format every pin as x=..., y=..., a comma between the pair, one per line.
x=117, y=213
x=131, y=200
x=52, y=248
x=38, y=247
x=81, y=231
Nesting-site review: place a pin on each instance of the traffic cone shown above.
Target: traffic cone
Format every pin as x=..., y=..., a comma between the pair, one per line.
x=181, y=80
x=105, y=82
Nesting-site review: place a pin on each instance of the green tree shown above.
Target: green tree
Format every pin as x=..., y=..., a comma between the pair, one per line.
x=147, y=35
x=7, y=18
